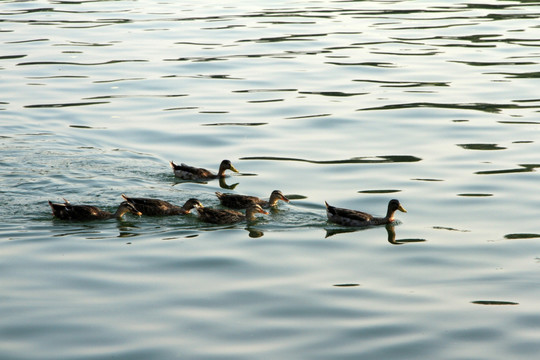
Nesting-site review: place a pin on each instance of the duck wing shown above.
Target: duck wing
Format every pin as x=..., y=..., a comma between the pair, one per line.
x=237, y=201
x=151, y=207
x=220, y=216
x=67, y=211
x=191, y=172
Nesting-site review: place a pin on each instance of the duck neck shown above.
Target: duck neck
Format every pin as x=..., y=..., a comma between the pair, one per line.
x=273, y=200
x=390, y=215
x=250, y=214
x=120, y=212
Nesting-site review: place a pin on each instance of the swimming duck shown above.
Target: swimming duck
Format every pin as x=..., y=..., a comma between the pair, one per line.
x=357, y=218
x=66, y=211
x=223, y=216
x=187, y=172
x=236, y=201
x=158, y=207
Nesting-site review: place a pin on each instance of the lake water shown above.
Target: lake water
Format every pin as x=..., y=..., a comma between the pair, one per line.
x=351, y=102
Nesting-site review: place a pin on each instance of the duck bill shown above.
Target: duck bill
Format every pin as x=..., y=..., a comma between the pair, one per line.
x=263, y=212
x=285, y=199
x=402, y=209
x=233, y=169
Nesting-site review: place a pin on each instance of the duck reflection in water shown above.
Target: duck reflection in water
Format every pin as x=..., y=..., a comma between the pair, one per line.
x=390, y=230
x=222, y=183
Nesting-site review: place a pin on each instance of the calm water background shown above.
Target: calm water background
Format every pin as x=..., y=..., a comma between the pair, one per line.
x=352, y=102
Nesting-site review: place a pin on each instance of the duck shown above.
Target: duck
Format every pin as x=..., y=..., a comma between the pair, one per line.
x=158, y=207
x=349, y=217
x=237, y=201
x=187, y=172
x=225, y=216
x=67, y=211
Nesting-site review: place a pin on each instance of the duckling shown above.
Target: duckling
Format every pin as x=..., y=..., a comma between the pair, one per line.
x=158, y=207
x=357, y=218
x=236, y=201
x=222, y=216
x=187, y=172
x=66, y=211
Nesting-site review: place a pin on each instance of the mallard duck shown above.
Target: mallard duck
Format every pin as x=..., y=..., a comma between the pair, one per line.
x=357, y=218
x=187, y=172
x=66, y=211
x=157, y=207
x=236, y=201
x=223, y=216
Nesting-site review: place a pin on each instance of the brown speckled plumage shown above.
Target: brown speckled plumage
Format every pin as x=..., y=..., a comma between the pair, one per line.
x=224, y=216
x=66, y=211
x=349, y=217
x=187, y=172
x=158, y=207
x=237, y=201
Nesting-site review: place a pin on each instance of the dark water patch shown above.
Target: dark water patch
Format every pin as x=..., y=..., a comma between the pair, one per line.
x=449, y=229
x=346, y=285
x=292, y=37
x=485, y=107
x=367, y=63
x=263, y=90
x=25, y=41
x=524, y=75
x=286, y=54
x=388, y=83
x=481, y=147
x=426, y=179
x=83, y=43
x=213, y=112
x=134, y=96
x=307, y=116
x=196, y=43
x=58, y=77
x=77, y=63
x=382, y=191
x=521, y=236
x=522, y=142
x=493, y=63
x=116, y=80
x=223, y=27
x=475, y=194
x=331, y=93
x=518, y=122
x=521, y=169
x=295, y=197
x=356, y=160
x=265, y=101
x=9, y=57
x=427, y=53
x=203, y=76
x=493, y=302
x=235, y=124
x=182, y=108
x=67, y=104
x=87, y=127
x=527, y=100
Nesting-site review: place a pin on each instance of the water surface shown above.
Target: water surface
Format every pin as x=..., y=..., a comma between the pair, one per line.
x=354, y=103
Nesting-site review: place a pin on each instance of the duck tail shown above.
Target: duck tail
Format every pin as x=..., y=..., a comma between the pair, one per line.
x=330, y=208
x=173, y=165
